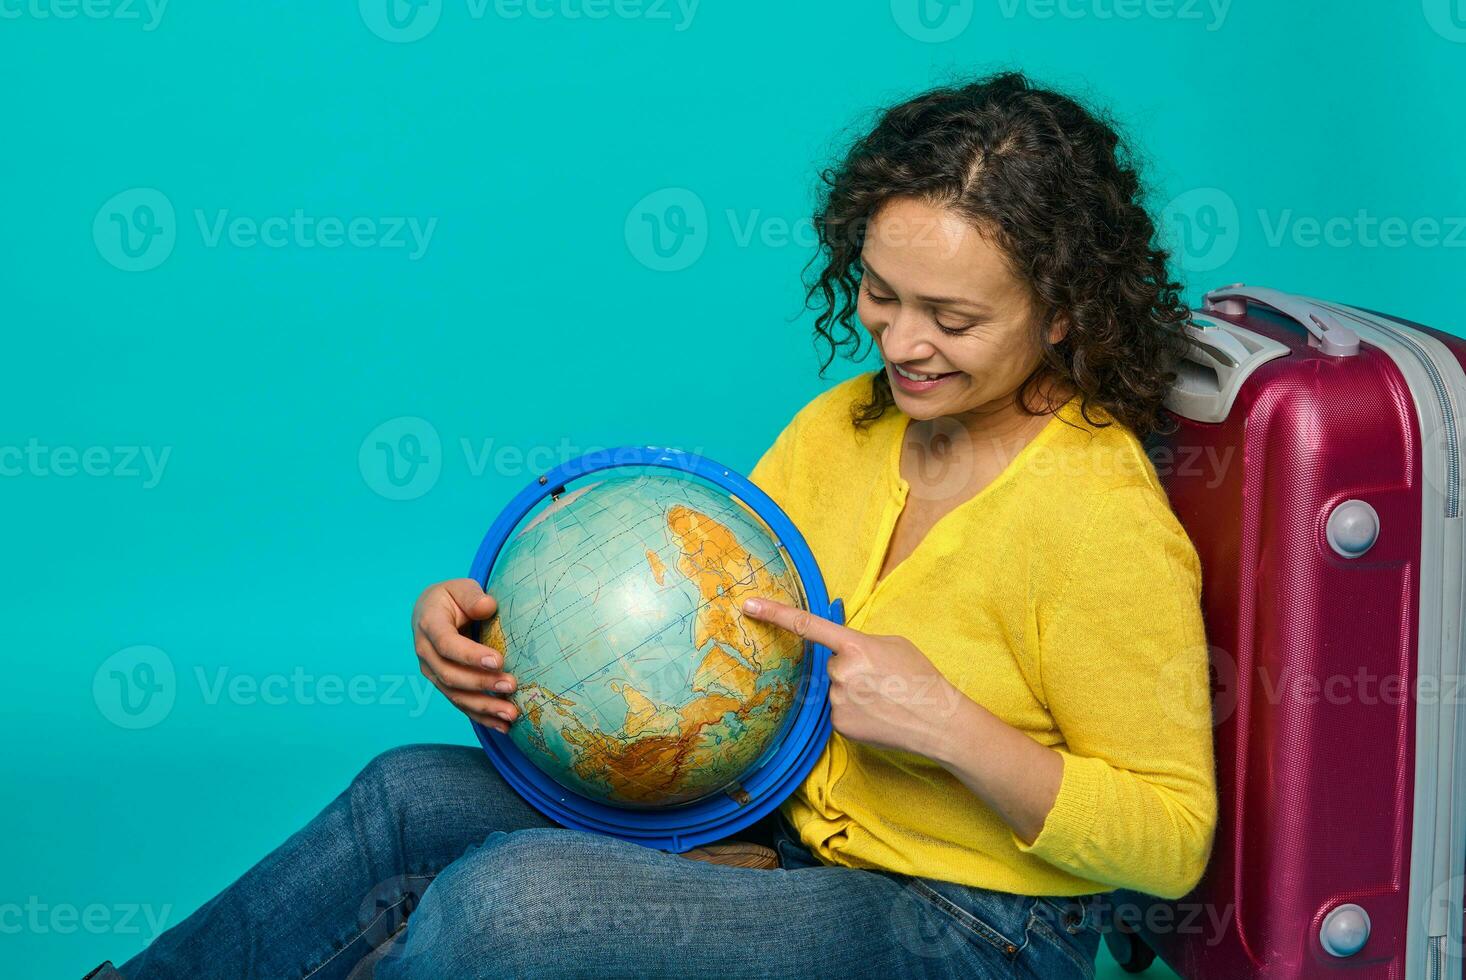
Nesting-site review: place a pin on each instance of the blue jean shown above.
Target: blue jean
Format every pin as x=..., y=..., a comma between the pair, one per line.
x=429, y=866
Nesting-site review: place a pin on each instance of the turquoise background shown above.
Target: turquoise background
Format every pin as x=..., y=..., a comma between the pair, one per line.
x=541, y=318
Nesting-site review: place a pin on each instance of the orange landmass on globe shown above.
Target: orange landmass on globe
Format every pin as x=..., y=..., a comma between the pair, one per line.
x=642, y=714
x=492, y=634
x=720, y=669
x=726, y=574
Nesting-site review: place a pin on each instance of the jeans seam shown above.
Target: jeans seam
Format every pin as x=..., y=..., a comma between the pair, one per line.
x=968, y=921
x=361, y=932
x=1085, y=969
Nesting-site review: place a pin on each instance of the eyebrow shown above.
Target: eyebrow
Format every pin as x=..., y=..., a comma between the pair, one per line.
x=933, y=300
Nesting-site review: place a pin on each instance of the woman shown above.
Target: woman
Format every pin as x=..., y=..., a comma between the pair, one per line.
x=1020, y=695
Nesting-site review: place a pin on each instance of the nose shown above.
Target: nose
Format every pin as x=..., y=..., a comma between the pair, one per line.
x=904, y=339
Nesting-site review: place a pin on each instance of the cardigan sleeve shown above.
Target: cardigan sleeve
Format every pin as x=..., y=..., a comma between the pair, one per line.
x=1124, y=669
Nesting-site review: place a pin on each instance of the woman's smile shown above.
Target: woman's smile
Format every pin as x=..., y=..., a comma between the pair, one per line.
x=917, y=382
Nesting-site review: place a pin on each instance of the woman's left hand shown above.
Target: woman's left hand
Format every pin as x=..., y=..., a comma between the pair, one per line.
x=883, y=690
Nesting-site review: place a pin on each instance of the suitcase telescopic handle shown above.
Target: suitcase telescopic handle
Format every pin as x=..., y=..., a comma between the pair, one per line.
x=1333, y=337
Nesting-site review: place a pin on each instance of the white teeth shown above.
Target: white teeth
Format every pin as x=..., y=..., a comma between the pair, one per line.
x=915, y=377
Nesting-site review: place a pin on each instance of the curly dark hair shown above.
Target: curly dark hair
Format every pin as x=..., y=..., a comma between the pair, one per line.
x=1052, y=184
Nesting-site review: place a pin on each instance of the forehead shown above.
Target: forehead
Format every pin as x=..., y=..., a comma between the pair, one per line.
x=924, y=249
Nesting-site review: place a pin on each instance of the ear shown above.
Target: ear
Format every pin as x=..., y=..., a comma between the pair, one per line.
x=1059, y=329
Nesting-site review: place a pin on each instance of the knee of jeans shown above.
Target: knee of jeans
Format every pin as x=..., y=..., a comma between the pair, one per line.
x=509, y=899
x=522, y=879
x=398, y=779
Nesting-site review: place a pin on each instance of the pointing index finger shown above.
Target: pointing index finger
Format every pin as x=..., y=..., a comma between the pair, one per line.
x=799, y=621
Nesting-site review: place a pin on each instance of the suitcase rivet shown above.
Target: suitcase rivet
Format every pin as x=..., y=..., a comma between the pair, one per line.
x=1353, y=528
x=1345, y=930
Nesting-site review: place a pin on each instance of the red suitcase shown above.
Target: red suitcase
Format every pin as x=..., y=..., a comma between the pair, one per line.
x=1317, y=469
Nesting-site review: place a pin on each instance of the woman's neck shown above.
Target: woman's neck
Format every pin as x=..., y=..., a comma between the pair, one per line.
x=989, y=429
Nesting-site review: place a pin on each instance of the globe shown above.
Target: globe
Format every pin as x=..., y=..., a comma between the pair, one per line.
x=640, y=681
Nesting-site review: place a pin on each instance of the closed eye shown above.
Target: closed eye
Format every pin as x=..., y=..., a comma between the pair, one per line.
x=882, y=299
x=876, y=297
x=953, y=331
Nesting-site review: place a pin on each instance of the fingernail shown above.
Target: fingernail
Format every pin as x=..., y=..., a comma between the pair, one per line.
x=503, y=686
x=752, y=606
x=491, y=662
x=504, y=715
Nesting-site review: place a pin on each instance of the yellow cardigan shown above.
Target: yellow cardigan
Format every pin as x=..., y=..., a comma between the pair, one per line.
x=1065, y=598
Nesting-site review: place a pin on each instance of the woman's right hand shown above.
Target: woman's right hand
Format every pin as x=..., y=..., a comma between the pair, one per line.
x=468, y=673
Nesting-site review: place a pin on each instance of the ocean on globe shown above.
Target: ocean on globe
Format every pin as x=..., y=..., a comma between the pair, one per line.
x=640, y=681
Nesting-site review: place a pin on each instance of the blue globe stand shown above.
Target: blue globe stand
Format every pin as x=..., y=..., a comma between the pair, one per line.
x=772, y=779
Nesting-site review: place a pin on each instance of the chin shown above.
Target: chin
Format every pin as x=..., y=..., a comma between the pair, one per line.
x=911, y=406
x=919, y=408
